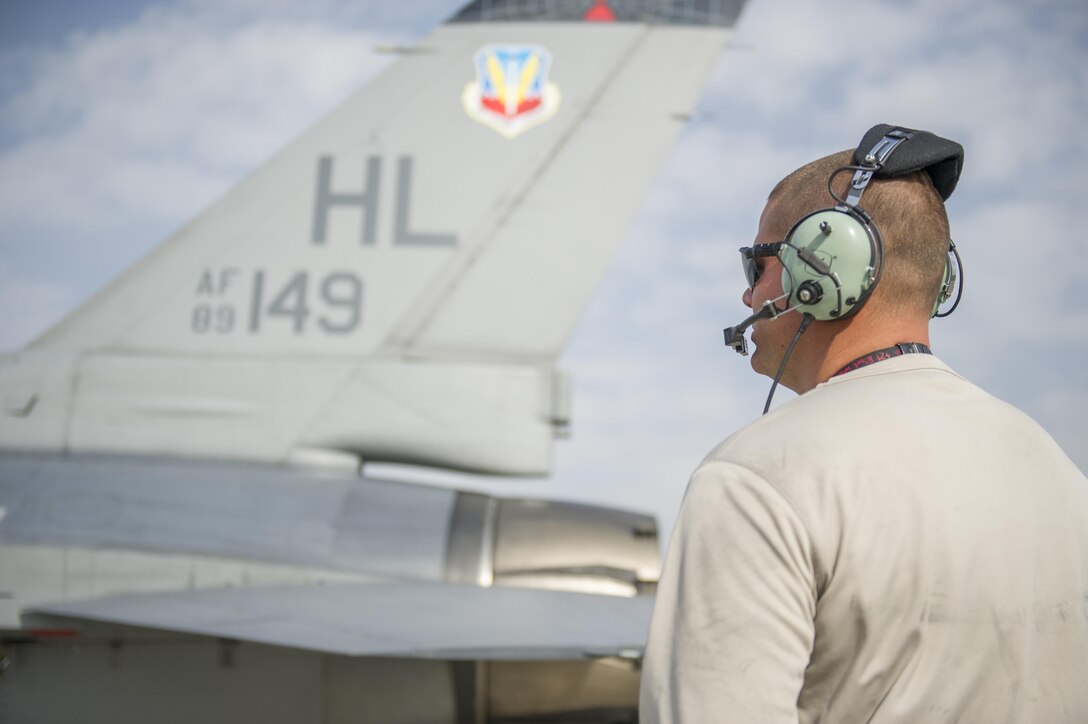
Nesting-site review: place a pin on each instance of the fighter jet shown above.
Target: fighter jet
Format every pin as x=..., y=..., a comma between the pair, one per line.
x=187, y=528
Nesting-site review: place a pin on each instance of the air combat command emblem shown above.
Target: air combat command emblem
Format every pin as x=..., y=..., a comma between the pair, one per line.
x=511, y=93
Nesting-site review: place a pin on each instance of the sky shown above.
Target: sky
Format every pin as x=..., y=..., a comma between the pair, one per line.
x=120, y=121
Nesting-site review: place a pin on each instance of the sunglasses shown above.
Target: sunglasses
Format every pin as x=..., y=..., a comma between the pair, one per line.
x=748, y=256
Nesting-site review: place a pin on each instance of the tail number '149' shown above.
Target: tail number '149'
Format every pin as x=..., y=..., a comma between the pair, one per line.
x=333, y=303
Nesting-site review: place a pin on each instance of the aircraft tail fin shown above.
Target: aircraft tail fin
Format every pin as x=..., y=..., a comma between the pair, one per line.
x=397, y=283
x=462, y=205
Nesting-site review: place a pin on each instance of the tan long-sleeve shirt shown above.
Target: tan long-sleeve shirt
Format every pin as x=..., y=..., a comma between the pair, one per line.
x=894, y=546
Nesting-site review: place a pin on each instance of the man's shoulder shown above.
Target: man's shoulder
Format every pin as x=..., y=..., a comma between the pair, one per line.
x=843, y=402
x=887, y=407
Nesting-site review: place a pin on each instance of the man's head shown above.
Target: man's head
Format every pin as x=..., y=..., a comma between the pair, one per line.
x=907, y=210
x=910, y=215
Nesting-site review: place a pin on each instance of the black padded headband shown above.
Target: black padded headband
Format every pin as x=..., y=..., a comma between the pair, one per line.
x=922, y=151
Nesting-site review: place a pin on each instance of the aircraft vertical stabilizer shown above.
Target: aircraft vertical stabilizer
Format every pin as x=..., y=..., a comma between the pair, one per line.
x=397, y=283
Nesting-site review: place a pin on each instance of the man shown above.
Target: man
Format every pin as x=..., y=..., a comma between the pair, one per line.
x=894, y=545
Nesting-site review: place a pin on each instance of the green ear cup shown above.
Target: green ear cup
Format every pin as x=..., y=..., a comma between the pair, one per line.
x=948, y=283
x=829, y=263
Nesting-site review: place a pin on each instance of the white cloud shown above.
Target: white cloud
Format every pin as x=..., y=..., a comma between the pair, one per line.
x=29, y=306
x=156, y=118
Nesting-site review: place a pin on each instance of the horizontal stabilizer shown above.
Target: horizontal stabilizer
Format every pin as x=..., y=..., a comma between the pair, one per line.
x=419, y=620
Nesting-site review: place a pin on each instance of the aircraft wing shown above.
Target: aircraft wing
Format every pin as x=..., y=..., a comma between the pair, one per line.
x=407, y=619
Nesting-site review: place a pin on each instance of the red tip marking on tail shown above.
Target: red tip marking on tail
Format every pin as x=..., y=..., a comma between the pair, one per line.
x=600, y=13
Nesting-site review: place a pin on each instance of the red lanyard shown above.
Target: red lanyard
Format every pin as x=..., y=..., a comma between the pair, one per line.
x=882, y=354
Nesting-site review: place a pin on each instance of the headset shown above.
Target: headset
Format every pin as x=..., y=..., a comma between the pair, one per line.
x=832, y=259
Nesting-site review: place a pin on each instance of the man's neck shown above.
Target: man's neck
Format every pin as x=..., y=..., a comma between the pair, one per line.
x=839, y=346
